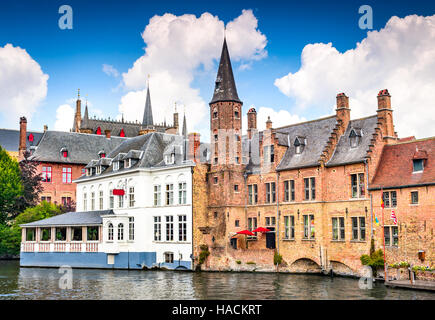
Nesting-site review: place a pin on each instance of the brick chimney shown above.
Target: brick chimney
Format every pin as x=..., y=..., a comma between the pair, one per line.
x=194, y=143
x=108, y=133
x=385, y=116
x=343, y=110
x=268, y=123
x=45, y=127
x=23, y=137
x=252, y=122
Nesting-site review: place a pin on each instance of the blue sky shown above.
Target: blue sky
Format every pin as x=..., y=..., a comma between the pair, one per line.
x=109, y=32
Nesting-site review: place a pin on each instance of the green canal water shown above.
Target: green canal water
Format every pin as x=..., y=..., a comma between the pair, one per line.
x=43, y=283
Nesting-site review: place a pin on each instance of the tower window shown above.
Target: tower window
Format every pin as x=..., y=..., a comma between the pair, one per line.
x=236, y=114
x=215, y=113
x=417, y=165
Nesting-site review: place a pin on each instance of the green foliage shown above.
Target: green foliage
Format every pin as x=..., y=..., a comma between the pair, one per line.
x=422, y=268
x=238, y=261
x=10, y=239
x=375, y=260
x=43, y=210
x=250, y=262
x=401, y=264
x=277, y=259
x=11, y=188
x=203, y=254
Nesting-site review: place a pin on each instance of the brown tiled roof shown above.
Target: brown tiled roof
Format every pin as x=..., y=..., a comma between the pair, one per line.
x=395, y=167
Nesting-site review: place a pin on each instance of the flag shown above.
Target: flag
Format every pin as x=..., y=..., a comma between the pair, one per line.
x=382, y=202
x=393, y=216
x=376, y=221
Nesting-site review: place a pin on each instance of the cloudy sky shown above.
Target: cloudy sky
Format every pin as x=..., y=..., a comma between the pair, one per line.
x=290, y=59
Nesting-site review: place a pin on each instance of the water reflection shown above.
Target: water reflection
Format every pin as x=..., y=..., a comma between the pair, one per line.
x=43, y=283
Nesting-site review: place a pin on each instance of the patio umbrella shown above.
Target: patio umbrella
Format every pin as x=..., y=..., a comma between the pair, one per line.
x=246, y=232
x=261, y=229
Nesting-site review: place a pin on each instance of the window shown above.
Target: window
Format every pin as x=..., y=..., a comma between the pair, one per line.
x=338, y=228
x=64, y=152
x=120, y=232
x=92, y=201
x=215, y=215
x=215, y=180
x=358, y=228
x=417, y=165
x=66, y=201
x=236, y=114
x=169, y=257
x=215, y=113
x=46, y=198
x=215, y=137
x=289, y=227
x=252, y=224
x=270, y=221
x=269, y=153
x=289, y=190
x=237, y=223
x=60, y=234
x=122, y=133
x=169, y=228
x=157, y=229
x=299, y=145
x=101, y=199
x=390, y=199
x=111, y=199
x=98, y=169
x=30, y=234
x=357, y=182
x=115, y=165
x=309, y=226
x=110, y=232
x=253, y=193
x=182, y=193
x=391, y=234
x=120, y=201
x=127, y=163
x=45, y=234
x=131, y=228
x=310, y=188
x=85, y=201
x=66, y=175
x=414, y=197
x=236, y=188
x=131, y=197
x=270, y=192
x=76, y=234
x=170, y=158
x=46, y=174
x=92, y=233
x=157, y=195
x=354, y=137
x=182, y=228
x=169, y=194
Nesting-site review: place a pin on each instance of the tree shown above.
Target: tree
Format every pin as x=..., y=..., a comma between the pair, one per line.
x=11, y=189
x=31, y=181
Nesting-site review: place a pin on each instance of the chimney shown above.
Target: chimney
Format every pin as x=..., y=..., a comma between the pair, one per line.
x=252, y=122
x=45, y=127
x=107, y=133
x=23, y=137
x=343, y=110
x=176, y=120
x=268, y=123
x=385, y=116
x=194, y=143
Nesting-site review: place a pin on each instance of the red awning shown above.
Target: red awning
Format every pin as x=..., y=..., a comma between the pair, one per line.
x=118, y=192
x=261, y=229
x=246, y=232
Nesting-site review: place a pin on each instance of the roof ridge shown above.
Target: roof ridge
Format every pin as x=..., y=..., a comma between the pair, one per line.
x=412, y=141
x=363, y=118
x=304, y=122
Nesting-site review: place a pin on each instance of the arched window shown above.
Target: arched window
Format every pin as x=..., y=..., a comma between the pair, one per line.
x=98, y=130
x=101, y=154
x=64, y=152
x=120, y=231
x=110, y=232
x=215, y=113
x=236, y=114
x=122, y=133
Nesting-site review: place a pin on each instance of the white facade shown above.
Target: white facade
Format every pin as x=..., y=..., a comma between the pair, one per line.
x=154, y=215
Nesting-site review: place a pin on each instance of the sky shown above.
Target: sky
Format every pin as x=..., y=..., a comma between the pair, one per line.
x=290, y=59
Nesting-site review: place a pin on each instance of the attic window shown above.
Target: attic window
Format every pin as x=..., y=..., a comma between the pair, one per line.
x=88, y=172
x=417, y=165
x=64, y=152
x=98, y=130
x=31, y=137
x=122, y=133
x=127, y=163
x=269, y=153
x=116, y=165
x=299, y=145
x=98, y=169
x=101, y=154
x=354, y=137
x=170, y=158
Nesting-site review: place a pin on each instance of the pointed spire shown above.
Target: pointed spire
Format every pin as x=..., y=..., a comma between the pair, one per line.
x=84, y=124
x=184, y=132
x=225, y=88
x=148, y=113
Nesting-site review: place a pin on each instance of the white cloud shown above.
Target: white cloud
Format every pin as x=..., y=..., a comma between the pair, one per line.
x=279, y=118
x=110, y=70
x=176, y=48
x=399, y=57
x=23, y=85
x=64, y=118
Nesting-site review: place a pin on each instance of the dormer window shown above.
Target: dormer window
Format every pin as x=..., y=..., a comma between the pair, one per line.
x=88, y=172
x=122, y=133
x=417, y=165
x=299, y=145
x=355, y=137
x=64, y=152
x=98, y=169
x=127, y=163
x=101, y=154
x=98, y=131
x=170, y=158
x=116, y=166
x=269, y=153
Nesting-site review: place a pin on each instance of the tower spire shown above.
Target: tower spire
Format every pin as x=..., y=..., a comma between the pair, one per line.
x=184, y=131
x=225, y=88
x=148, y=112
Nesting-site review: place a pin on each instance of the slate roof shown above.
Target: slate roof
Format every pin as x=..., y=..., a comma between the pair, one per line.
x=316, y=132
x=401, y=173
x=72, y=219
x=225, y=88
x=343, y=153
x=82, y=148
x=10, y=139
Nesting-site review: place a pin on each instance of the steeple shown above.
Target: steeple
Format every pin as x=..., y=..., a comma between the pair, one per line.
x=78, y=114
x=148, y=113
x=85, y=122
x=184, y=132
x=225, y=87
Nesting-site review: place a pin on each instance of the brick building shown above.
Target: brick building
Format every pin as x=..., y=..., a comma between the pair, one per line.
x=306, y=182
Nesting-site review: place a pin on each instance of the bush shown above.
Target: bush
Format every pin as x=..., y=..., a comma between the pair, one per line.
x=203, y=254
x=277, y=259
x=375, y=260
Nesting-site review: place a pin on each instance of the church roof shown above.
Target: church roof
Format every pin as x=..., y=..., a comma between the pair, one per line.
x=225, y=88
x=10, y=139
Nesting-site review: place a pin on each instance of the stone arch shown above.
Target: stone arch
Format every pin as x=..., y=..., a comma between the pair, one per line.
x=340, y=268
x=305, y=265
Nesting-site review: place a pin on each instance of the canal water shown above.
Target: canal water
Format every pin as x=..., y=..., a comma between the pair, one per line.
x=43, y=283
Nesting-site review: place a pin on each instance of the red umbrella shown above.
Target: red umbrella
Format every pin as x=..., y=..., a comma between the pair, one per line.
x=246, y=232
x=261, y=229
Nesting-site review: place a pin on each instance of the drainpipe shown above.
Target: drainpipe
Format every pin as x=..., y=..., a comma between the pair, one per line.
x=191, y=205
x=277, y=212
x=371, y=197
